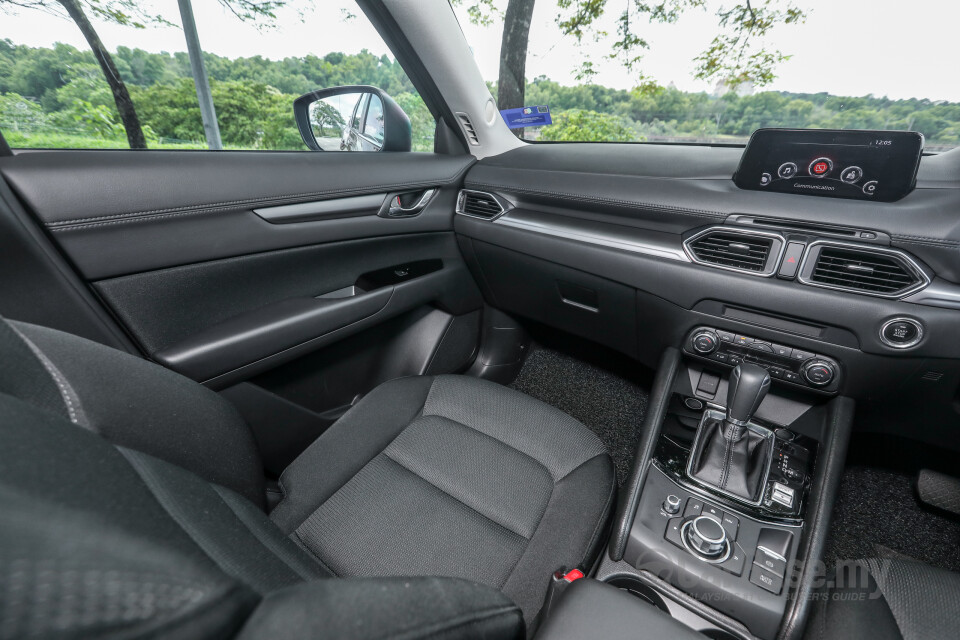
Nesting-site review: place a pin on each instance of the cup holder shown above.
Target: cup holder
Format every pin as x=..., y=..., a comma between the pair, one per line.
x=636, y=588
x=648, y=594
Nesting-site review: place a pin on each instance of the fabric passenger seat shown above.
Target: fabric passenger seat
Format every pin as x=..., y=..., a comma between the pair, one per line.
x=441, y=476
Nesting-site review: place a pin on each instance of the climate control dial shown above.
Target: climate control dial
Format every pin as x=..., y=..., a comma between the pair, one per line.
x=819, y=372
x=705, y=342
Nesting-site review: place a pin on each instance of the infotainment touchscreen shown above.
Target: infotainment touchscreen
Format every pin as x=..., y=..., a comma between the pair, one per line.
x=867, y=165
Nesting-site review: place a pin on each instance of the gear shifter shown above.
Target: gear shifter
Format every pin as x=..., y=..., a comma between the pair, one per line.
x=731, y=456
x=747, y=387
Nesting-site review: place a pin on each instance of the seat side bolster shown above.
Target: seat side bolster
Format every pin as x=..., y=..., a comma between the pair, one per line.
x=353, y=441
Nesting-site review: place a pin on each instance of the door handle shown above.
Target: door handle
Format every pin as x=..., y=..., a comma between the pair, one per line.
x=397, y=210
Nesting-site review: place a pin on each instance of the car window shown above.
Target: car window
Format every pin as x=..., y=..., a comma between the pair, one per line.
x=373, y=122
x=714, y=71
x=55, y=93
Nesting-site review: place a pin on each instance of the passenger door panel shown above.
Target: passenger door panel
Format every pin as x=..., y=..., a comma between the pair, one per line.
x=280, y=278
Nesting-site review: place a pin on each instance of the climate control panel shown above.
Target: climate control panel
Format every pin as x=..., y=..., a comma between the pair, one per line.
x=785, y=363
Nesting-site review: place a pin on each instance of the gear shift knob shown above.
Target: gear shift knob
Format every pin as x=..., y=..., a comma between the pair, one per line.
x=747, y=387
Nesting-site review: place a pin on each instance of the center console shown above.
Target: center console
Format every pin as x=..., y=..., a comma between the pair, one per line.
x=724, y=518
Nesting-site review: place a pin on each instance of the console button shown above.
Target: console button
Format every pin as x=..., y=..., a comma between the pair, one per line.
x=781, y=350
x=743, y=340
x=851, y=174
x=762, y=346
x=797, y=354
x=776, y=372
x=870, y=188
x=725, y=336
x=820, y=167
x=787, y=170
x=694, y=508
x=790, y=376
x=771, y=562
x=783, y=494
x=766, y=579
x=731, y=524
x=672, y=534
x=901, y=333
x=765, y=179
x=720, y=357
x=776, y=541
x=791, y=260
x=734, y=564
x=713, y=512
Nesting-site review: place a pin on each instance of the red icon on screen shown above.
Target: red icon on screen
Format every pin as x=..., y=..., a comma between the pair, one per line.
x=820, y=168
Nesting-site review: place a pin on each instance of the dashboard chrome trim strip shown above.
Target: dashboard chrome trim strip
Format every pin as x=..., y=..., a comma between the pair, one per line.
x=938, y=293
x=750, y=232
x=909, y=262
x=569, y=232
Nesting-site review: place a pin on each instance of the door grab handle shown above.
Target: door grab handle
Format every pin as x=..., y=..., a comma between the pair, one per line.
x=397, y=210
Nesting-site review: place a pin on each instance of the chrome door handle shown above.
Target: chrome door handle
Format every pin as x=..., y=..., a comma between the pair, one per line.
x=397, y=210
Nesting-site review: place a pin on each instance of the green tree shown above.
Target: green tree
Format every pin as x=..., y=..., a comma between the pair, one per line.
x=127, y=13
x=587, y=126
x=737, y=54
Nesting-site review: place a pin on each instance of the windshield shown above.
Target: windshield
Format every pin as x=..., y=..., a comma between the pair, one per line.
x=704, y=71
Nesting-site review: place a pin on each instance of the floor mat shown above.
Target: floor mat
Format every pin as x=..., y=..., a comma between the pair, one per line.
x=878, y=515
x=611, y=406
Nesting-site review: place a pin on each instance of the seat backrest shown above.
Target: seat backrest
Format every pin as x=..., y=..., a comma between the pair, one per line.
x=132, y=403
x=100, y=540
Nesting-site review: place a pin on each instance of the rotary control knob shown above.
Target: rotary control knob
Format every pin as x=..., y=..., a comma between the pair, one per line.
x=707, y=537
x=705, y=341
x=672, y=504
x=819, y=372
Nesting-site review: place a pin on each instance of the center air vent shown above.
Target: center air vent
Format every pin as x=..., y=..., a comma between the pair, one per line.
x=886, y=273
x=478, y=204
x=749, y=252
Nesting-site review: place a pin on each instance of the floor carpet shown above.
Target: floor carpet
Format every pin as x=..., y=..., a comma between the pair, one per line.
x=611, y=406
x=878, y=515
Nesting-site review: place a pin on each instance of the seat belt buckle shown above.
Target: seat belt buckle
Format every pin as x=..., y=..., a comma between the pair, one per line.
x=559, y=581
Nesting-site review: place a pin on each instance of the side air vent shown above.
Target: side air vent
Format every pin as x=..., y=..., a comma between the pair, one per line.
x=468, y=129
x=750, y=252
x=886, y=273
x=478, y=204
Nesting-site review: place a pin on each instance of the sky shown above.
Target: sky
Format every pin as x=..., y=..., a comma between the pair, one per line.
x=894, y=48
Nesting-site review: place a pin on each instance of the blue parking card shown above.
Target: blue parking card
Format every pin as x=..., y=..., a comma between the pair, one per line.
x=527, y=117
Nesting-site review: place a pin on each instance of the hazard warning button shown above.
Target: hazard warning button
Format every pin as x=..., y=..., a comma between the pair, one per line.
x=791, y=260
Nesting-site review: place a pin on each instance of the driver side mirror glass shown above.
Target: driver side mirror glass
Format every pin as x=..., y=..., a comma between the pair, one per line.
x=355, y=118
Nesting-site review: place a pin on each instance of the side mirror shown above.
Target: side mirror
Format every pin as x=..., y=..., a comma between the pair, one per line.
x=352, y=118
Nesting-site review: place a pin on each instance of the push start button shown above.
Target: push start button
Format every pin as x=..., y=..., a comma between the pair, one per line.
x=901, y=333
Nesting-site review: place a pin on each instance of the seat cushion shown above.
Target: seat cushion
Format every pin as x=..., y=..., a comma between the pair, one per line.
x=451, y=476
x=888, y=599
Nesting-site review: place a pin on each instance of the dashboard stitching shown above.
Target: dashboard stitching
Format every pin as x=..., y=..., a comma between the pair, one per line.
x=926, y=240
x=700, y=213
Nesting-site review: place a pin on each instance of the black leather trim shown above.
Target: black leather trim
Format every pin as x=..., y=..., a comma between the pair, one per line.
x=823, y=493
x=656, y=409
x=172, y=208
